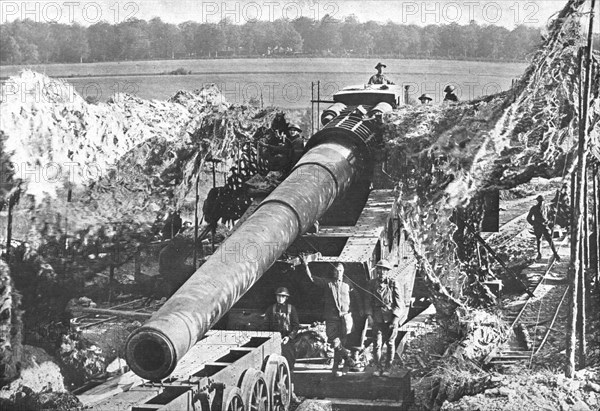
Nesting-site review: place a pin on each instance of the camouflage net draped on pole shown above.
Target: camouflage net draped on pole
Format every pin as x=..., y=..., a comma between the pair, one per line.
x=446, y=157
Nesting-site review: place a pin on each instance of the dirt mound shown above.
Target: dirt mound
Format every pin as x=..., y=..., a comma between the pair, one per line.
x=55, y=137
x=39, y=373
x=540, y=391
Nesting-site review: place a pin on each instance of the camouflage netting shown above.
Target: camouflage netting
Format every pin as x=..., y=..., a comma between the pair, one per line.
x=84, y=177
x=447, y=157
x=10, y=327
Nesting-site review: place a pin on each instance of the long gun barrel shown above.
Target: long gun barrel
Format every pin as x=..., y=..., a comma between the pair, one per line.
x=337, y=155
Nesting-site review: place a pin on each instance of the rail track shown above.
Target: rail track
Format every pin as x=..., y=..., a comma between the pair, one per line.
x=538, y=312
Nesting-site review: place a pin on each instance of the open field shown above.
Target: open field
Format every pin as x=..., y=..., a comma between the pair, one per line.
x=281, y=82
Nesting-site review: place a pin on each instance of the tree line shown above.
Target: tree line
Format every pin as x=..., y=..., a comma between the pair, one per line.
x=29, y=42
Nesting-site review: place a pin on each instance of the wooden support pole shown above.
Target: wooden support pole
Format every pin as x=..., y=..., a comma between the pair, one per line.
x=318, y=104
x=586, y=223
x=196, y=222
x=137, y=262
x=111, y=277
x=581, y=294
x=576, y=266
x=596, y=180
x=11, y=204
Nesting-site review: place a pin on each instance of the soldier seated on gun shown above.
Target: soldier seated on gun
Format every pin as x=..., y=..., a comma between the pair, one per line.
x=379, y=78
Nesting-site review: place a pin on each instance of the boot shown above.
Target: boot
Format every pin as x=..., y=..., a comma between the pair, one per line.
x=388, y=369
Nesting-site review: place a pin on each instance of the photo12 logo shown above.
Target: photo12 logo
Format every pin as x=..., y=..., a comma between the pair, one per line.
x=51, y=172
x=273, y=93
x=54, y=91
x=239, y=12
x=467, y=90
x=68, y=12
x=465, y=11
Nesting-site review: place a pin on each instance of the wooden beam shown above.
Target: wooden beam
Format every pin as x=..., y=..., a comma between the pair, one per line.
x=491, y=252
x=575, y=268
x=106, y=311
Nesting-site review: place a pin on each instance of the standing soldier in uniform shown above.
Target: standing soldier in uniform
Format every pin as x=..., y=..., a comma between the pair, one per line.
x=538, y=221
x=382, y=307
x=338, y=319
x=297, y=141
x=283, y=317
x=379, y=78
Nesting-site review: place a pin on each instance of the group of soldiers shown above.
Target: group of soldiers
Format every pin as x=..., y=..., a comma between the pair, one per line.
x=381, y=307
x=380, y=78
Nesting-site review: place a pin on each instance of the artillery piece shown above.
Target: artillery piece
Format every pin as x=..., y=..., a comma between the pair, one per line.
x=340, y=183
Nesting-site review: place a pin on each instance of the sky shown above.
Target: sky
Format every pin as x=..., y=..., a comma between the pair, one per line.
x=507, y=13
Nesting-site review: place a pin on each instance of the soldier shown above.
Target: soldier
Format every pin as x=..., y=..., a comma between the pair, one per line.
x=425, y=99
x=379, y=78
x=382, y=307
x=338, y=319
x=297, y=141
x=277, y=150
x=450, y=96
x=283, y=317
x=538, y=221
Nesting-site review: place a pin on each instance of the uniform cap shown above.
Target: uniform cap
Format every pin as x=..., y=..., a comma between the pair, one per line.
x=384, y=264
x=282, y=291
x=294, y=126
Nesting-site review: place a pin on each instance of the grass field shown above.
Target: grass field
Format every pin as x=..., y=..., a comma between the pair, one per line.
x=280, y=82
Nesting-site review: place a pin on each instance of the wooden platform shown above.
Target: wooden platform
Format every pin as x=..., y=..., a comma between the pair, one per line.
x=317, y=381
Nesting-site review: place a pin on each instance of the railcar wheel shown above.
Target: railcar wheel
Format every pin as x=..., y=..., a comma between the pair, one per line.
x=231, y=400
x=255, y=391
x=279, y=381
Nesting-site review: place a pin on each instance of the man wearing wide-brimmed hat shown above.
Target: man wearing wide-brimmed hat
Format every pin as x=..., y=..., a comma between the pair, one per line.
x=379, y=78
x=382, y=306
x=425, y=98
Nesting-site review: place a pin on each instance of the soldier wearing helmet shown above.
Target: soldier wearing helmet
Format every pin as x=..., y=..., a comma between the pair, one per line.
x=297, y=141
x=283, y=316
x=382, y=307
x=450, y=96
